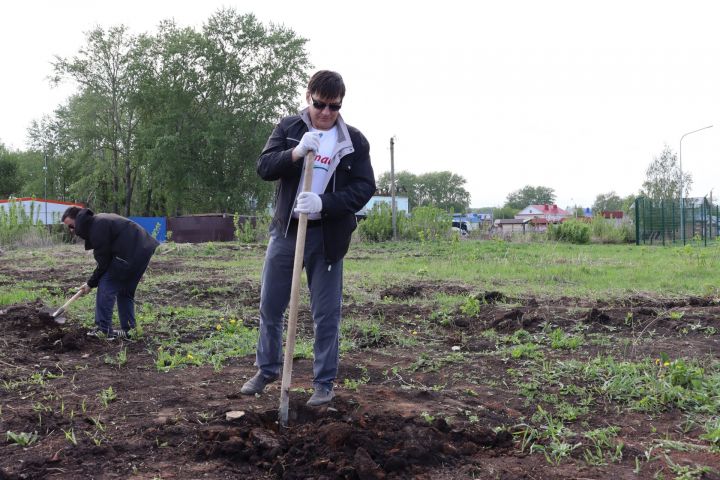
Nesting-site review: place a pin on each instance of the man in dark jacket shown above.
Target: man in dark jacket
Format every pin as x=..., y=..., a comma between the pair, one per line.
x=122, y=250
x=343, y=182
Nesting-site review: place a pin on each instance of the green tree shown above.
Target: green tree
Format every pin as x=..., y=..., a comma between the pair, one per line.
x=62, y=161
x=406, y=184
x=607, y=201
x=530, y=195
x=172, y=122
x=9, y=175
x=663, y=178
x=628, y=203
x=505, y=212
x=444, y=190
x=108, y=69
x=32, y=175
x=210, y=107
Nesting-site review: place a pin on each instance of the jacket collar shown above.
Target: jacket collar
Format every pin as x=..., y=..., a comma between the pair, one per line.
x=344, y=143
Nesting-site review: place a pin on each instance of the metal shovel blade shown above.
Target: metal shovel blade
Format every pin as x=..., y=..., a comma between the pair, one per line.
x=52, y=315
x=57, y=316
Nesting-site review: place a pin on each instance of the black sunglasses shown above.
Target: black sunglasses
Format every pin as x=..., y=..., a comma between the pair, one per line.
x=334, y=107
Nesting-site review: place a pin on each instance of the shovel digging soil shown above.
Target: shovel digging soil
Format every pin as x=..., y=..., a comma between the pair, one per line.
x=57, y=316
x=295, y=297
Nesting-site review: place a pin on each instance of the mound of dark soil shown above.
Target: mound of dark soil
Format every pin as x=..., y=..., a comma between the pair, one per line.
x=335, y=443
x=25, y=316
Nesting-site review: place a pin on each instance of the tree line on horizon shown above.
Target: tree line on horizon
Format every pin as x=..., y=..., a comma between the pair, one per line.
x=446, y=190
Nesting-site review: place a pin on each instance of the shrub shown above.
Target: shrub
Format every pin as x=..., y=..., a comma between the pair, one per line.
x=572, y=231
x=607, y=231
x=377, y=226
x=251, y=230
x=427, y=223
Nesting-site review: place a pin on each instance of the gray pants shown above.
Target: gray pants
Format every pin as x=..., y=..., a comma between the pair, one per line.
x=325, y=283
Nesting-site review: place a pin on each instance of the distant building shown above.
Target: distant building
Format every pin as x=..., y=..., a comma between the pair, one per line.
x=401, y=204
x=552, y=213
x=45, y=211
x=614, y=214
x=616, y=217
x=474, y=221
x=540, y=224
x=511, y=225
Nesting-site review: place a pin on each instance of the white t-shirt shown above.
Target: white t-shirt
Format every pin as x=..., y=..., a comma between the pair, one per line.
x=323, y=158
x=322, y=165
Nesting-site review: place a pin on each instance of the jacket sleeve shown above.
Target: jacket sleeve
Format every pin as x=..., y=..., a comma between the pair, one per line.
x=359, y=189
x=275, y=161
x=101, y=240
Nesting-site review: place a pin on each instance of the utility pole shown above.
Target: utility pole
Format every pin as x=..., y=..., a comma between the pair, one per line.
x=45, y=169
x=392, y=187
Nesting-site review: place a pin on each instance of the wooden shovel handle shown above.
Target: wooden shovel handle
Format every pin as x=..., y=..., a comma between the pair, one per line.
x=295, y=296
x=67, y=304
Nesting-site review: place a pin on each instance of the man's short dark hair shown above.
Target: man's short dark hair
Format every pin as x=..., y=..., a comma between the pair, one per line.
x=70, y=212
x=327, y=84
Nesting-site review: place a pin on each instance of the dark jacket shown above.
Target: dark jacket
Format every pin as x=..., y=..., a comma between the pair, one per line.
x=350, y=188
x=120, y=246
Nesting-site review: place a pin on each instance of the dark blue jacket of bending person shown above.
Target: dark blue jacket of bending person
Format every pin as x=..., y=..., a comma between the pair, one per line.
x=120, y=246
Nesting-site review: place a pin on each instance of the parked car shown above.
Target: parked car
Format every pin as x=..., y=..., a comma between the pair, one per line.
x=460, y=227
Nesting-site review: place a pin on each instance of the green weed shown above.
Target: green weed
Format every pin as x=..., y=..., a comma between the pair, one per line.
x=106, y=396
x=22, y=439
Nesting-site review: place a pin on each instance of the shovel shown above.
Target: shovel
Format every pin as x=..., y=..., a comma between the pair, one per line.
x=295, y=296
x=57, y=315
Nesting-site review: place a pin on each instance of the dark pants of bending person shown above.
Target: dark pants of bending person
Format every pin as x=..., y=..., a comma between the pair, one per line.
x=121, y=288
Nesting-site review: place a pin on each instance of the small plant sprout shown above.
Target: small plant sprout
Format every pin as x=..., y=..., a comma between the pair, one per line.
x=70, y=436
x=120, y=359
x=23, y=439
x=471, y=307
x=205, y=417
x=106, y=396
x=98, y=424
x=427, y=417
x=354, y=384
x=676, y=315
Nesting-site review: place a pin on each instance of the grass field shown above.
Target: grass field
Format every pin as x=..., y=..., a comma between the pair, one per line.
x=551, y=269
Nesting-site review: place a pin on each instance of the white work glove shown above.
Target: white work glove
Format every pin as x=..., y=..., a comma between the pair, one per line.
x=308, y=202
x=309, y=141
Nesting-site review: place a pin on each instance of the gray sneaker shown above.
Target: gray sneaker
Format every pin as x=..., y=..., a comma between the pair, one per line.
x=321, y=396
x=257, y=384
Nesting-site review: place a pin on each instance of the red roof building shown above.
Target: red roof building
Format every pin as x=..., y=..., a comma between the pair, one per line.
x=617, y=214
x=547, y=211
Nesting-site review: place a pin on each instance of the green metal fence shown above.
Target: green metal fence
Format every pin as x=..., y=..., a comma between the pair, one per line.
x=666, y=222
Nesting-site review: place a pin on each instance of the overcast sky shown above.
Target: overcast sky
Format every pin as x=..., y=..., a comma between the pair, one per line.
x=577, y=96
